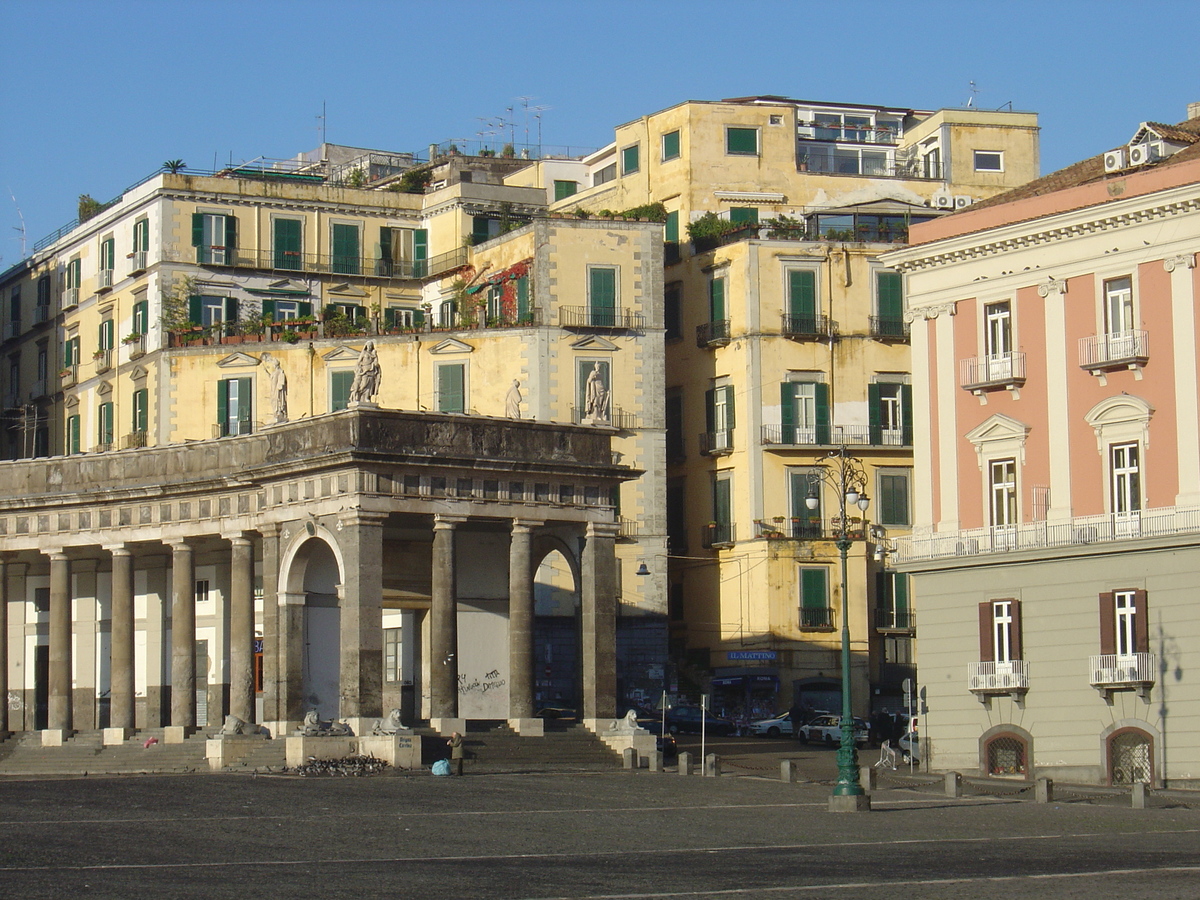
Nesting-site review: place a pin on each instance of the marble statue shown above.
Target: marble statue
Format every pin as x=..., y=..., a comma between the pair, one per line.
x=366, y=375
x=390, y=725
x=314, y=727
x=277, y=378
x=596, y=396
x=512, y=401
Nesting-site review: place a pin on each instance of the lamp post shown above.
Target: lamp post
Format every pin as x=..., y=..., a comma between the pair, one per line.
x=846, y=475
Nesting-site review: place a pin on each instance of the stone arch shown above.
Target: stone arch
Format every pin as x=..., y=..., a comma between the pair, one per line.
x=1006, y=750
x=558, y=639
x=311, y=574
x=1128, y=750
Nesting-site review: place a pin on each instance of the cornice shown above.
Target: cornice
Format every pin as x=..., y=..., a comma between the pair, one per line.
x=296, y=205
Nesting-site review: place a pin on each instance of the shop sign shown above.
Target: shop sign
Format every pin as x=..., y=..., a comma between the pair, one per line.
x=751, y=654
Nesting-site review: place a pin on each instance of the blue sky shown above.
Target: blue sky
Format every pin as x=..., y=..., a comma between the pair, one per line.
x=96, y=94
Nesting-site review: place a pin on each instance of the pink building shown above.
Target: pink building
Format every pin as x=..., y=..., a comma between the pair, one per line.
x=1056, y=547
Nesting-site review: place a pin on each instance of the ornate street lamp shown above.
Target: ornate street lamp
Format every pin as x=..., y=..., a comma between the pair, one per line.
x=846, y=475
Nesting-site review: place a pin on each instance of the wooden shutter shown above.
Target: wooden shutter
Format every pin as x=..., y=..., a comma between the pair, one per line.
x=1141, y=623
x=385, y=243
x=304, y=310
x=230, y=237
x=287, y=244
x=802, y=299
x=716, y=300
x=197, y=229
x=420, y=252
x=195, y=309
x=743, y=215
x=906, y=427
x=602, y=296
x=814, y=591
x=345, y=249
x=268, y=310
x=1108, y=623
x=899, y=584
x=722, y=505
x=821, y=406
x=710, y=410
x=672, y=230
x=788, y=392
x=223, y=407
x=874, y=414
x=73, y=434
x=141, y=233
x=889, y=296
x=231, y=309
x=1014, y=639
x=730, y=420
x=450, y=388
x=480, y=229
x=987, y=647
x=339, y=388
x=245, y=407
x=741, y=140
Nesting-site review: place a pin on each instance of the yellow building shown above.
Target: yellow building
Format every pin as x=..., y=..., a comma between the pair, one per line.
x=787, y=342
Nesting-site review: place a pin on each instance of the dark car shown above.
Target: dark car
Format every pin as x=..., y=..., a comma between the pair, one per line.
x=687, y=719
x=555, y=712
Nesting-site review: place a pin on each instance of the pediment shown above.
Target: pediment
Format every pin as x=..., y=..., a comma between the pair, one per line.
x=237, y=361
x=594, y=342
x=450, y=345
x=1118, y=410
x=104, y=388
x=997, y=427
x=342, y=353
x=345, y=289
x=72, y=401
x=137, y=373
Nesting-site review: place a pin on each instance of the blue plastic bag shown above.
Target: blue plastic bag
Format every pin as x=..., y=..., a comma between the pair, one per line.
x=441, y=767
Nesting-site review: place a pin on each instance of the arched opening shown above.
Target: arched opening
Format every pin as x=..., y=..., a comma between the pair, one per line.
x=1130, y=757
x=557, y=638
x=314, y=572
x=1006, y=754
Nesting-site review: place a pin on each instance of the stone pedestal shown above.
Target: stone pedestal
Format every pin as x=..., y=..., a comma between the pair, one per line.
x=868, y=777
x=656, y=761
x=629, y=758
x=787, y=771
x=528, y=727
x=176, y=734
x=685, y=763
x=853, y=803
x=400, y=750
x=114, y=736
x=226, y=749
x=712, y=766
x=55, y=737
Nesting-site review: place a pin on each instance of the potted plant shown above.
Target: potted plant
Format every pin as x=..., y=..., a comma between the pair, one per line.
x=132, y=338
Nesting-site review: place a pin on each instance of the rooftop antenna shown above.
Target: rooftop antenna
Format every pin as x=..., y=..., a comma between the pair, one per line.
x=20, y=229
x=321, y=122
x=537, y=114
x=974, y=91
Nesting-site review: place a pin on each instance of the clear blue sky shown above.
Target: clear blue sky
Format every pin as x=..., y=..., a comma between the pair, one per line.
x=95, y=94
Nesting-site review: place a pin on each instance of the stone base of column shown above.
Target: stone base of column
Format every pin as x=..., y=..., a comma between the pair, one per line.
x=447, y=726
x=360, y=724
x=114, y=736
x=226, y=749
x=839, y=803
x=55, y=737
x=177, y=734
x=528, y=727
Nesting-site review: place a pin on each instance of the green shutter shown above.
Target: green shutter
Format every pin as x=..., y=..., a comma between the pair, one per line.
x=722, y=505
x=223, y=407
x=385, y=243
x=68, y=356
x=710, y=410
x=195, y=309
x=141, y=317
x=480, y=229
x=268, y=310
x=141, y=234
x=788, y=391
x=304, y=310
x=741, y=140
x=740, y=215
x=140, y=409
x=230, y=237
x=900, y=594
x=523, y=300
x=339, y=389
x=890, y=296
x=108, y=334
x=672, y=231
x=565, y=189
x=629, y=160
x=814, y=593
x=345, y=249
x=874, y=414
x=906, y=428
x=603, y=296
x=231, y=310
x=245, y=407
x=821, y=405
x=729, y=417
x=72, y=434
x=450, y=388
x=802, y=300
x=288, y=244
x=420, y=252
x=105, y=433
x=670, y=145
x=197, y=229
x=107, y=254
x=716, y=300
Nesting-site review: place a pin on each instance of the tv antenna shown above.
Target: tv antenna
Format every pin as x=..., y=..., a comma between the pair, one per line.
x=20, y=229
x=974, y=91
x=321, y=123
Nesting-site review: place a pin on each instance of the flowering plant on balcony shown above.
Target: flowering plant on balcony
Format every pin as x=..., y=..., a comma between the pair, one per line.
x=99, y=354
x=132, y=338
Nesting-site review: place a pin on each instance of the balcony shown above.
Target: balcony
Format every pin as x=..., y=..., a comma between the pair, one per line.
x=617, y=418
x=987, y=678
x=807, y=328
x=629, y=529
x=134, y=440
x=853, y=134
x=70, y=298
x=712, y=334
x=103, y=360
x=11, y=330
x=1123, y=350
x=985, y=373
x=137, y=261
x=889, y=328
x=104, y=280
x=834, y=436
x=1113, y=672
x=717, y=534
x=600, y=319
x=780, y=528
x=716, y=443
x=69, y=377
x=321, y=263
x=816, y=618
x=904, y=620
x=136, y=345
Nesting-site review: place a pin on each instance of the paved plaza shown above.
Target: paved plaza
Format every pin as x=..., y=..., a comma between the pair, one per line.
x=606, y=835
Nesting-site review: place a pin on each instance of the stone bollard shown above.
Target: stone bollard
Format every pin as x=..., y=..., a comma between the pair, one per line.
x=685, y=763
x=868, y=777
x=656, y=761
x=787, y=771
x=712, y=766
x=953, y=784
x=1140, y=794
x=630, y=758
x=1044, y=791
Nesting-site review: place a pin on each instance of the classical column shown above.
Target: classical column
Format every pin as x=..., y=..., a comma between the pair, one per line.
x=274, y=710
x=183, y=636
x=3, y=645
x=599, y=645
x=241, y=628
x=361, y=601
x=520, y=620
x=59, y=718
x=121, y=683
x=443, y=612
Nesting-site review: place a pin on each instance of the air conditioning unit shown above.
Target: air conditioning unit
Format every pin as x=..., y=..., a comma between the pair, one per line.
x=962, y=201
x=1114, y=160
x=1129, y=674
x=943, y=201
x=1139, y=154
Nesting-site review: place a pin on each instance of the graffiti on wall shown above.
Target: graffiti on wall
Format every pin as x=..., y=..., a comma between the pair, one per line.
x=490, y=682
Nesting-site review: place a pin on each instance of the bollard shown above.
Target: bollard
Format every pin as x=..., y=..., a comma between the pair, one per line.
x=1140, y=795
x=787, y=771
x=629, y=758
x=656, y=761
x=1044, y=791
x=868, y=777
x=712, y=766
x=685, y=763
x=953, y=784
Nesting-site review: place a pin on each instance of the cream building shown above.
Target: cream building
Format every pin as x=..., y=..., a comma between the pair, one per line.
x=1055, y=546
x=786, y=341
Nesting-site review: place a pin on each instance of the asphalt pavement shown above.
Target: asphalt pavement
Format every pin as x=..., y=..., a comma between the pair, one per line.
x=610, y=835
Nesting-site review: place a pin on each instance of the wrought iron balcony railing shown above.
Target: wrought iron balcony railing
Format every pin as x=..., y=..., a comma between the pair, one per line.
x=835, y=436
x=889, y=328
x=609, y=319
x=816, y=617
x=716, y=534
x=715, y=443
x=138, y=260
x=713, y=334
x=104, y=280
x=998, y=370
x=1114, y=351
x=806, y=327
x=70, y=298
x=1111, y=670
x=998, y=677
x=895, y=619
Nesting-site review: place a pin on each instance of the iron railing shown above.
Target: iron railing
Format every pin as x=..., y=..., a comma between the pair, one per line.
x=617, y=418
x=835, y=436
x=717, y=533
x=816, y=617
x=70, y=298
x=589, y=317
x=1102, y=351
x=716, y=442
x=994, y=370
x=1113, y=670
x=41, y=313
x=713, y=334
x=998, y=677
x=104, y=280
x=895, y=619
x=806, y=327
x=138, y=261
x=889, y=328
x=134, y=440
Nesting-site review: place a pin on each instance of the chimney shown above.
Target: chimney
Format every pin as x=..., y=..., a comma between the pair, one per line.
x=1194, y=111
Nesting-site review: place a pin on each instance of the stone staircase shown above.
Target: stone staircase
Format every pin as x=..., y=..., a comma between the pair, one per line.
x=492, y=747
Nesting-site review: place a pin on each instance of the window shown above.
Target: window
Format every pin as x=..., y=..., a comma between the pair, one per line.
x=234, y=406
x=141, y=317
x=108, y=256
x=286, y=310
x=71, y=351
x=403, y=252
x=287, y=243
x=743, y=215
x=1000, y=631
x=629, y=160
x=565, y=189
x=107, y=334
x=1003, y=478
x=1118, y=305
x=1126, y=476
x=104, y=426
x=716, y=299
x=998, y=341
x=452, y=387
x=806, y=523
x=722, y=509
x=671, y=236
x=214, y=235
x=673, y=311
x=677, y=515
x=344, y=240
x=741, y=141
x=201, y=591
x=393, y=668
x=891, y=600
x=802, y=301
x=814, y=598
x=141, y=235
x=43, y=292
x=41, y=599
x=399, y=318
x=889, y=303
x=674, y=422
x=1006, y=755
x=893, y=498
x=14, y=374
x=141, y=410
x=670, y=145
x=43, y=362
x=804, y=412
x=605, y=175
x=889, y=409
x=212, y=310
x=719, y=418
x=839, y=127
x=989, y=161
x=73, y=273
x=339, y=388
x=602, y=296
x=73, y=443
x=897, y=649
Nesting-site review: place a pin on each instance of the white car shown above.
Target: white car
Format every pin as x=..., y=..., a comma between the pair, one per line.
x=828, y=729
x=910, y=747
x=772, y=727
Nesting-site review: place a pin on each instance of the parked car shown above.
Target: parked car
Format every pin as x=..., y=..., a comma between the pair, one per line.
x=653, y=723
x=828, y=729
x=687, y=719
x=772, y=727
x=555, y=712
x=910, y=747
